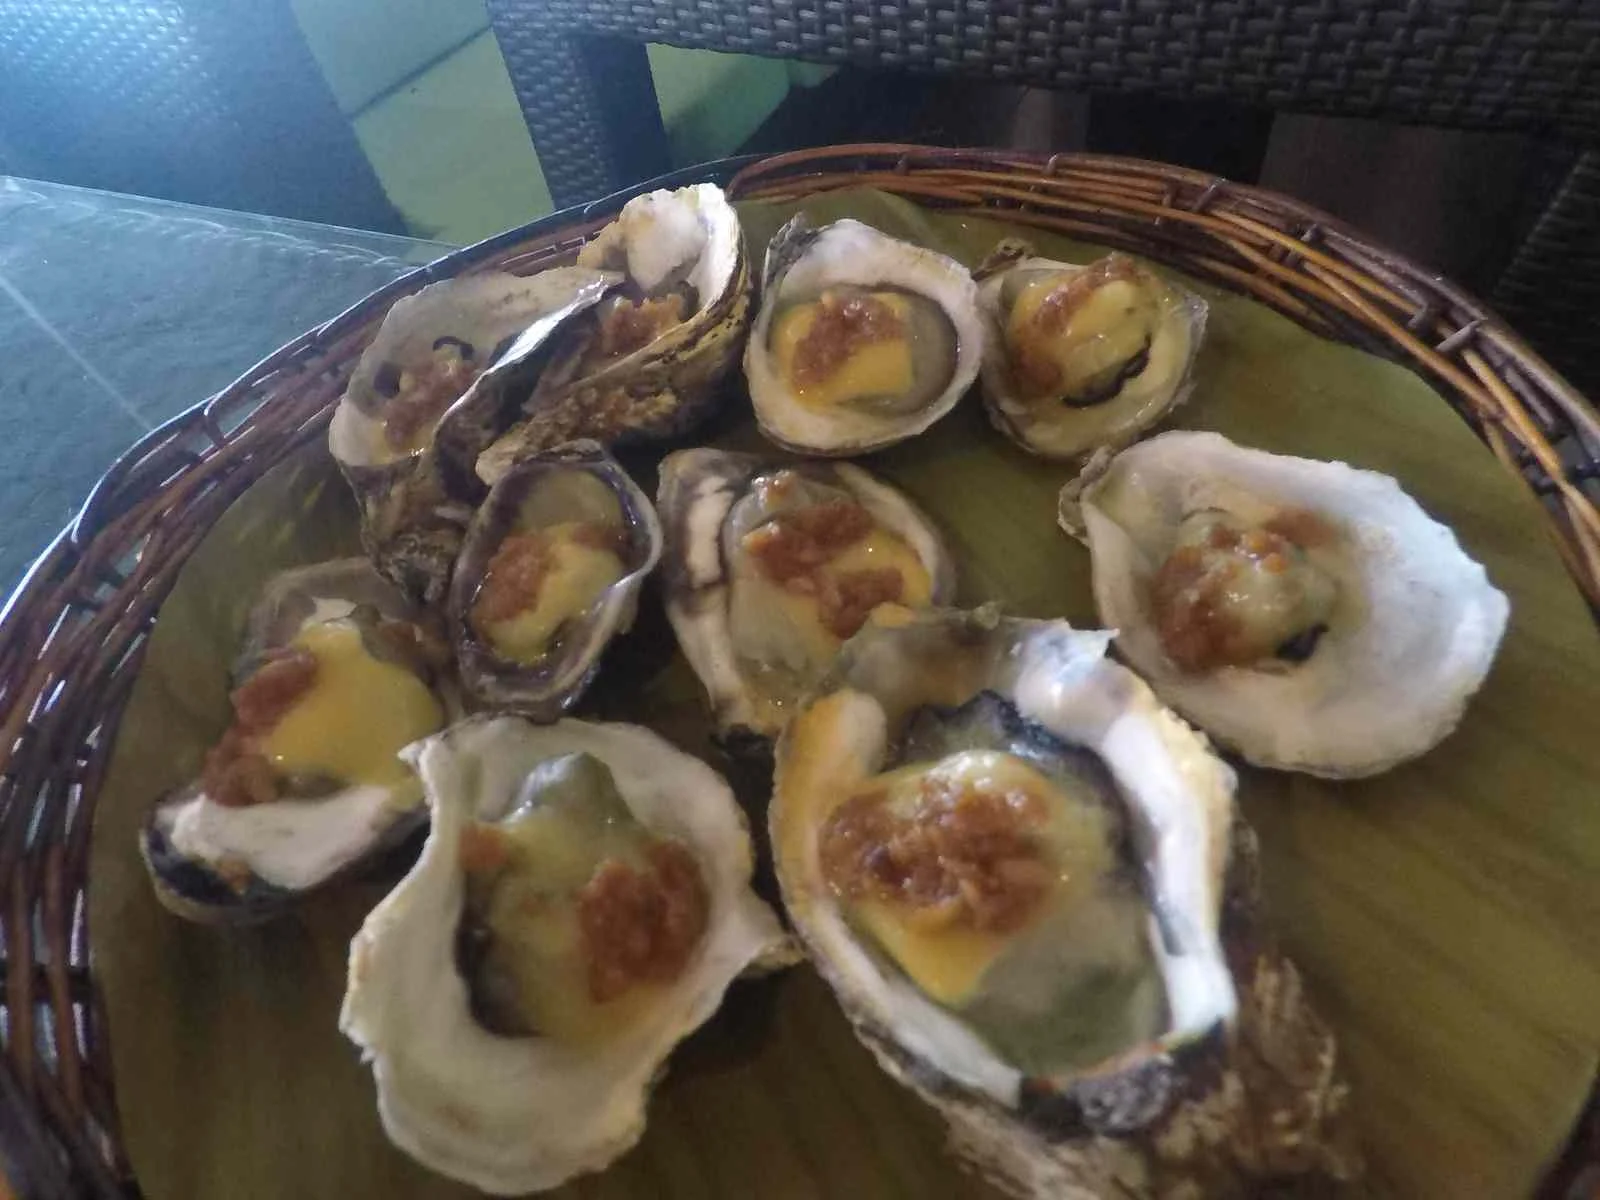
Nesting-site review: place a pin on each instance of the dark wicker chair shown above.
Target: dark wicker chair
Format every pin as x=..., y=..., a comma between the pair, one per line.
x=214, y=102
x=1531, y=66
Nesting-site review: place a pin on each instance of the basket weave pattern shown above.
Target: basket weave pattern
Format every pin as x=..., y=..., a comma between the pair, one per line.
x=73, y=632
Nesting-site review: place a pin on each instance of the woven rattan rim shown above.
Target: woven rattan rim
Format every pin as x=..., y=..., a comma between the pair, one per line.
x=72, y=634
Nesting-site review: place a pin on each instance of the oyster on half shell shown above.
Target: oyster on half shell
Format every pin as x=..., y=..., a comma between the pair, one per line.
x=770, y=566
x=862, y=340
x=1027, y=884
x=437, y=384
x=549, y=573
x=1081, y=356
x=1308, y=614
x=645, y=363
x=337, y=674
x=581, y=906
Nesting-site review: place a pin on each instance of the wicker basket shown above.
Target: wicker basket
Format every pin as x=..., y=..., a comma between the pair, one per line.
x=74, y=629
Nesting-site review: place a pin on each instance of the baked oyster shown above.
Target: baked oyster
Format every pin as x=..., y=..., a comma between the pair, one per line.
x=1027, y=884
x=581, y=905
x=1308, y=614
x=862, y=340
x=336, y=675
x=436, y=385
x=550, y=572
x=644, y=364
x=1081, y=356
x=770, y=566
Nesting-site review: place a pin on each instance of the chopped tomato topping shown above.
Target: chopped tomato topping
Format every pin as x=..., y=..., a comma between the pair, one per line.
x=842, y=325
x=1190, y=594
x=624, y=326
x=641, y=926
x=425, y=392
x=513, y=579
x=261, y=700
x=235, y=776
x=847, y=600
x=483, y=849
x=961, y=857
x=795, y=544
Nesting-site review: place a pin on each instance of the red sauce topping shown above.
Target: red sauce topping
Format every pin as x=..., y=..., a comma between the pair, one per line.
x=521, y=564
x=624, y=326
x=641, y=926
x=1033, y=367
x=961, y=857
x=842, y=325
x=514, y=576
x=793, y=548
x=1189, y=595
x=235, y=773
x=427, y=391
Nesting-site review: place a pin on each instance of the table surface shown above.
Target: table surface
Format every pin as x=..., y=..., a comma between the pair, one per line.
x=118, y=312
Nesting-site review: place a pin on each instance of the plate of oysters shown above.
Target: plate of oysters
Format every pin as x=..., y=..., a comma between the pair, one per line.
x=831, y=699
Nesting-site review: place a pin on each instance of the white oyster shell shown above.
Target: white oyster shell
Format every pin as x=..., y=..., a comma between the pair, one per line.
x=512, y=1115
x=1242, y=1086
x=801, y=262
x=224, y=865
x=1060, y=679
x=1414, y=633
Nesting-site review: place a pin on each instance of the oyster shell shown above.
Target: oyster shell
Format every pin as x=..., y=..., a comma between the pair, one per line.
x=584, y=537
x=437, y=384
x=1083, y=356
x=1027, y=884
x=862, y=340
x=222, y=851
x=758, y=630
x=645, y=364
x=515, y=1111
x=1350, y=642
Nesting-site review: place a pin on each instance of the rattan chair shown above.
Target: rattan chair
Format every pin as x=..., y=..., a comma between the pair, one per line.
x=580, y=72
x=215, y=102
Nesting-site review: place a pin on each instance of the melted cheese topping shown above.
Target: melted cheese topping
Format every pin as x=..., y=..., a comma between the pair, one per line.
x=578, y=576
x=355, y=717
x=948, y=962
x=881, y=367
x=553, y=854
x=777, y=627
x=1109, y=326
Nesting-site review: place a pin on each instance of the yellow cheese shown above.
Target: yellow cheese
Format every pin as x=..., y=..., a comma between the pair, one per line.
x=1108, y=327
x=880, y=549
x=947, y=965
x=356, y=716
x=877, y=368
x=533, y=912
x=948, y=962
x=578, y=576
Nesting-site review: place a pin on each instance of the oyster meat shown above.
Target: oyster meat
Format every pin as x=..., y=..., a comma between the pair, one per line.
x=549, y=573
x=337, y=674
x=771, y=566
x=862, y=340
x=1308, y=614
x=438, y=383
x=645, y=363
x=1083, y=356
x=1028, y=886
x=582, y=904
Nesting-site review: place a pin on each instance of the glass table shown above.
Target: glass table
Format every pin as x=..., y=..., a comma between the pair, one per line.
x=118, y=312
